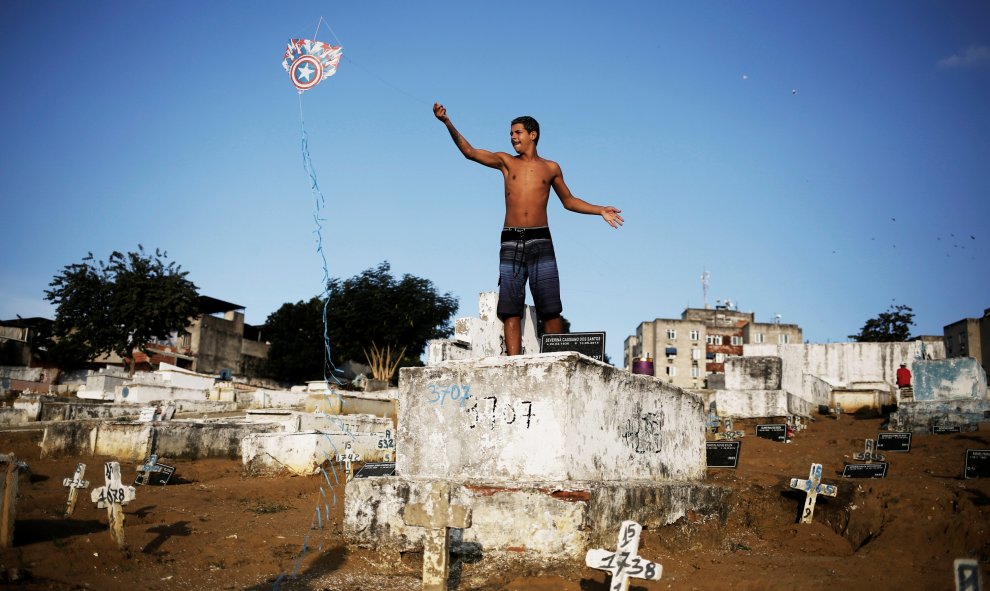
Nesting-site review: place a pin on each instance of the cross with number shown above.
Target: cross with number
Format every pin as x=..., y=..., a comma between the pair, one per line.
x=113, y=496
x=146, y=469
x=812, y=487
x=869, y=453
x=74, y=484
x=437, y=515
x=348, y=457
x=624, y=563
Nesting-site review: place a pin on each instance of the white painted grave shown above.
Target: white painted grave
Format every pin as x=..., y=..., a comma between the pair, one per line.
x=437, y=515
x=348, y=458
x=625, y=563
x=812, y=487
x=113, y=496
x=75, y=483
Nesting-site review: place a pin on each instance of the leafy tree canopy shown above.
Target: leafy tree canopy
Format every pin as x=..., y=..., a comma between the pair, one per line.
x=119, y=305
x=370, y=310
x=892, y=326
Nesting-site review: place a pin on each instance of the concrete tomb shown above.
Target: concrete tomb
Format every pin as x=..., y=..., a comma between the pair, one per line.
x=625, y=563
x=10, y=477
x=475, y=338
x=812, y=487
x=550, y=451
x=753, y=389
x=947, y=393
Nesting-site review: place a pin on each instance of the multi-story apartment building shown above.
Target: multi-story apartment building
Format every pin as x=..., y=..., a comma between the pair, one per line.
x=690, y=349
x=969, y=337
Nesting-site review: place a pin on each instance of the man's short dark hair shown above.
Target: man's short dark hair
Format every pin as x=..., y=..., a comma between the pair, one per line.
x=529, y=124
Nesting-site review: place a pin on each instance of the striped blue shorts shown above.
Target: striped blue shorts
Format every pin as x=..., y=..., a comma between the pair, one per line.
x=527, y=254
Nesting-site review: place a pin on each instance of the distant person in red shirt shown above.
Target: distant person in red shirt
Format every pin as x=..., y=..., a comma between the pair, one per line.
x=903, y=376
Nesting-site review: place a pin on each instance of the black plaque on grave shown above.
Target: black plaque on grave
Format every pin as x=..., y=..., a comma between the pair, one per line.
x=945, y=429
x=894, y=441
x=977, y=463
x=775, y=432
x=723, y=454
x=874, y=470
x=371, y=469
x=591, y=344
x=160, y=475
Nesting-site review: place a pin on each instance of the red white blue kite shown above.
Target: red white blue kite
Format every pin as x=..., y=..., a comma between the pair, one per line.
x=309, y=62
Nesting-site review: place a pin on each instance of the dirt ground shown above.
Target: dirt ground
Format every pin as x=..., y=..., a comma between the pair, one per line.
x=217, y=528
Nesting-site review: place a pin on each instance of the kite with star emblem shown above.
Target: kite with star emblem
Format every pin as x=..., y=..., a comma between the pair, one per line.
x=310, y=62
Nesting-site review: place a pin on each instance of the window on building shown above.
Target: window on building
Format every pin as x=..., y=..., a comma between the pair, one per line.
x=758, y=337
x=737, y=340
x=671, y=371
x=671, y=351
x=671, y=333
x=185, y=340
x=718, y=339
x=695, y=371
x=720, y=358
x=695, y=335
x=695, y=353
x=783, y=339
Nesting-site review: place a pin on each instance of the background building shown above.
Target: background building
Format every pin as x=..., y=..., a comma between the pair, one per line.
x=969, y=337
x=690, y=351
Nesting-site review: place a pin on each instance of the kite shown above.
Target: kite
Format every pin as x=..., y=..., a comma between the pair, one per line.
x=310, y=62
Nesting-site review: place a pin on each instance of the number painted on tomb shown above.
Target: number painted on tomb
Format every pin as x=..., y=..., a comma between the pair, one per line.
x=455, y=392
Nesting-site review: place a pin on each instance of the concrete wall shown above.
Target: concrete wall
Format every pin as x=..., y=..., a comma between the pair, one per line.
x=556, y=416
x=751, y=403
x=305, y=452
x=840, y=364
x=753, y=373
x=948, y=379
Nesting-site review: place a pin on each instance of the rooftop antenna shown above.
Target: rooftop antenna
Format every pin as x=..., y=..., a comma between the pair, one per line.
x=705, y=276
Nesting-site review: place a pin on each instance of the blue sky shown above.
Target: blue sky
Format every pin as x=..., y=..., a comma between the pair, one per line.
x=822, y=161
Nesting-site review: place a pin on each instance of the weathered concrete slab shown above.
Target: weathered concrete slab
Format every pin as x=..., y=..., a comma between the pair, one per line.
x=753, y=373
x=555, y=416
x=863, y=399
x=304, y=452
x=746, y=404
x=539, y=519
x=136, y=441
x=12, y=417
x=949, y=379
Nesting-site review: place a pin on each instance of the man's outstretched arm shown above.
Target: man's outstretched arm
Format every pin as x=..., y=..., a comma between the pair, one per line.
x=609, y=213
x=485, y=157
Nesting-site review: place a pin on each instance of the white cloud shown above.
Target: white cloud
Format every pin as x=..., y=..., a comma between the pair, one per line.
x=971, y=57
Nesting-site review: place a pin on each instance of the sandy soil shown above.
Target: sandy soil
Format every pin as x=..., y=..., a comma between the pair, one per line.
x=216, y=528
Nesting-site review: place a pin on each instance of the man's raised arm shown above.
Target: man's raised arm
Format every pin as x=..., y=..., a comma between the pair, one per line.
x=490, y=159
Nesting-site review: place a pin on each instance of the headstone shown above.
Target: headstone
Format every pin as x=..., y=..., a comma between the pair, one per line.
x=10, y=476
x=812, y=487
x=869, y=453
x=154, y=472
x=977, y=463
x=624, y=563
x=894, y=442
x=147, y=415
x=113, y=496
x=870, y=470
x=348, y=457
x=168, y=413
x=945, y=429
x=591, y=344
x=722, y=454
x=774, y=432
x=437, y=515
x=75, y=483
x=967, y=574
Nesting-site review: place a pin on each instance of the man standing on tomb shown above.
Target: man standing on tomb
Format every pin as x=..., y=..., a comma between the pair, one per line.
x=903, y=376
x=527, y=250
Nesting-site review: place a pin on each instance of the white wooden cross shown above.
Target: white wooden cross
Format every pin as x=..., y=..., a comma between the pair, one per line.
x=812, y=487
x=74, y=484
x=348, y=457
x=147, y=469
x=113, y=496
x=869, y=453
x=624, y=563
x=437, y=515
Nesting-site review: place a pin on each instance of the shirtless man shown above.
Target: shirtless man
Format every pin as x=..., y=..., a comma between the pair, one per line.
x=527, y=250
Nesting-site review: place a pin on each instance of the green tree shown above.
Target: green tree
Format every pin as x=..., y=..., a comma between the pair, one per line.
x=891, y=326
x=370, y=311
x=119, y=305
